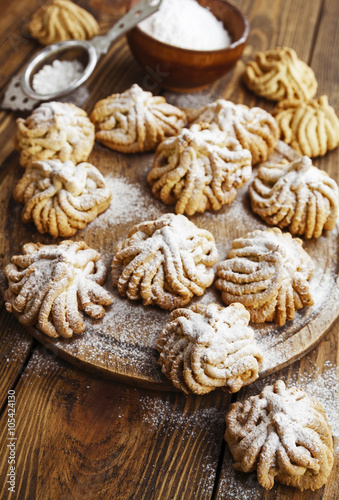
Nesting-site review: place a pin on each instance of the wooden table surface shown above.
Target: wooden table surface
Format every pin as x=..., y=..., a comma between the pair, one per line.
x=79, y=436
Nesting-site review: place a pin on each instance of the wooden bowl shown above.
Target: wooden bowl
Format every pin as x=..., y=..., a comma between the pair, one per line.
x=184, y=70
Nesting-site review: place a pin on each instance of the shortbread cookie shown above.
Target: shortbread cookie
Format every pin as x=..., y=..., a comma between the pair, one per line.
x=49, y=286
x=199, y=170
x=283, y=434
x=295, y=195
x=208, y=346
x=165, y=262
x=55, y=131
x=61, y=198
x=279, y=74
x=310, y=127
x=255, y=128
x=62, y=20
x=135, y=121
x=268, y=272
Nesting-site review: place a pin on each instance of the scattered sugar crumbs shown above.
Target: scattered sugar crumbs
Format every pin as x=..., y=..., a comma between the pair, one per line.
x=43, y=363
x=325, y=388
x=16, y=352
x=157, y=411
x=128, y=203
x=202, y=427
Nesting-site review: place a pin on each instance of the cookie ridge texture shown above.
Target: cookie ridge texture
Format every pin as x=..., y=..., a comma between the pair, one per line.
x=310, y=127
x=164, y=262
x=199, y=170
x=135, y=121
x=61, y=198
x=55, y=131
x=208, y=346
x=62, y=20
x=279, y=74
x=49, y=286
x=295, y=195
x=254, y=128
x=284, y=435
x=268, y=272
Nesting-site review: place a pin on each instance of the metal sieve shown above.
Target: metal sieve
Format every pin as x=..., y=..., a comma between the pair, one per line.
x=20, y=94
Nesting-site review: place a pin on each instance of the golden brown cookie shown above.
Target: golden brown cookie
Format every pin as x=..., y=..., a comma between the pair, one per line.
x=295, y=195
x=62, y=20
x=283, y=434
x=310, y=127
x=49, y=286
x=55, y=131
x=135, y=121
x=61, y=198
x=208, y=346
x=254, y=128
x=165, y=262
x=268, y=272
x=199, y=170
x=279, y=74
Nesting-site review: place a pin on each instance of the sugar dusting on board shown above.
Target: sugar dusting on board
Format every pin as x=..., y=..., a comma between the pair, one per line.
x=130, y=203
x=129, y=330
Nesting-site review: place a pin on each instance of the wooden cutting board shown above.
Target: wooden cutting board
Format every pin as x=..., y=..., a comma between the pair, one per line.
x=122, y=345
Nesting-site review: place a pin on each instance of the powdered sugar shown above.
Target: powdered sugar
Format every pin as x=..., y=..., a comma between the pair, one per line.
x=322, y=386
x=57, y=76
x=130, y=203
x=186, y=24
x=160, y=412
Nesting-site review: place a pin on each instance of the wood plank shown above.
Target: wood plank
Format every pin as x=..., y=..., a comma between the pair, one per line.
x=324, y=61
x=84, y=437
x=15, y=348
x=76, y=422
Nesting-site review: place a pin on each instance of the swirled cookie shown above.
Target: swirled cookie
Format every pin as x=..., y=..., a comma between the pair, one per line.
x=49, y=286
x=281, y=434
x=310, y=127
x=55, y=131
x=199, y=170
x=62, y=20
x=135, y=121
x=61, y=198
x=296, y=195
x=279, y=74
x=268, y=272
x=255, y=128
x=208, y=346
x=165, y=262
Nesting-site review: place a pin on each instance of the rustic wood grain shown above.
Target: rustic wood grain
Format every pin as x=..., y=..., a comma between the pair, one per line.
x=15, y=349
x=89, y=438
x=85, y=437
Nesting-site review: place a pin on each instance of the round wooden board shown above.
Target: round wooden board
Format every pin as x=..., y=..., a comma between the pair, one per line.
x=122, y=345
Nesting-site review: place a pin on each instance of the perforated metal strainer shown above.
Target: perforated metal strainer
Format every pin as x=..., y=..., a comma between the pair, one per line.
x=20, y=94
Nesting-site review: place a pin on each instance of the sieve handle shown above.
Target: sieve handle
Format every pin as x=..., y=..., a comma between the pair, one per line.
x=134, y=16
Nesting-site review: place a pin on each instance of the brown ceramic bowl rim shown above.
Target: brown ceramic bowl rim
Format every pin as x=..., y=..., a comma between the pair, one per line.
x=233, y=45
